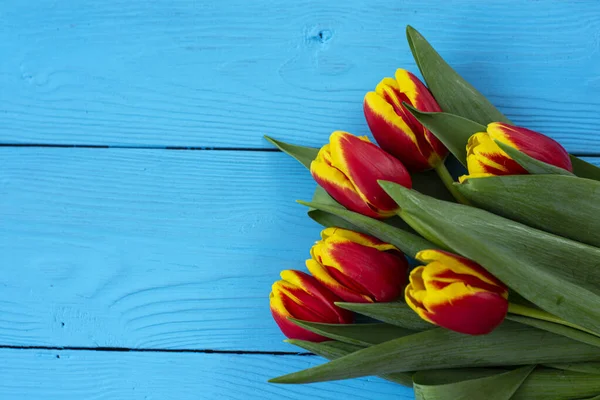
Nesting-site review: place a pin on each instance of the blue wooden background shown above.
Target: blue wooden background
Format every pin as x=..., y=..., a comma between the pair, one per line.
x=140, y=208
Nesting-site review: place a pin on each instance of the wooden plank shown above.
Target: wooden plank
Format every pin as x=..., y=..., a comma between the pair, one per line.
x=205, y=73
x=65, y=375
x=147, y=248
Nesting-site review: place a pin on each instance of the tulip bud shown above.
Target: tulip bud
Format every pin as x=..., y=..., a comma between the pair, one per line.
x=486, y=158
x=299, y=295
x=358, y=268
x=396, y=130
x=349, y=167
x=456, y=293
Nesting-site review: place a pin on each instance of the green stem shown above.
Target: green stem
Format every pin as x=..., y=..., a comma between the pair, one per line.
x=544, y=316
x=445, y=176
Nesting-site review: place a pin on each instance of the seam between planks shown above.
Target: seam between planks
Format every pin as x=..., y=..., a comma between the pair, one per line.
x=145, y=350
x=190, y=148
x=100, y=146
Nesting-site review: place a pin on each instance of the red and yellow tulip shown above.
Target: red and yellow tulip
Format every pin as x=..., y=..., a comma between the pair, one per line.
x=456, y=293
x=357, y=267
x=396, y=130
x=349, y=167
x=299, y=295
x=486, y=158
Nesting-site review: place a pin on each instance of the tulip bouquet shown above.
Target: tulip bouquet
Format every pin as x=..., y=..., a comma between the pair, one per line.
x=460, y=257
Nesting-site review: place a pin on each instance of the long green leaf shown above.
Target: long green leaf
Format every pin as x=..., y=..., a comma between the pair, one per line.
x=452, y=130
x=429, y=183
x=559, y=275
x=454, y=94
x=409, y=243
x=356, y=334
x=559, y=329
x=510, y=344
x=398, y=314
x=500, y=386
x=566, y=206
x=304, y=155
x=550, y=384
x=541, y=384
x=333, y=350
x=325, y=218
x=584, y=169
x=530, y=164
x=587, y=367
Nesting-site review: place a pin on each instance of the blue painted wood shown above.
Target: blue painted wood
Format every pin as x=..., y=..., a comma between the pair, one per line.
x=148, y=248
x=94, y=375
x=223, y=73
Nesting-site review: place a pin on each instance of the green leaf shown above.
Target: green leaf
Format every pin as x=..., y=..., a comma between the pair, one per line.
x=563, y=205
x=559, y=329
x=584, y=169
x=398, y=314
x=559, y=275
x=454, y=94
x=587, y=367
x=332, y=350
x=452, y=130
x=304, y=155
x=325, y=218
x=429, y=183
x=329, y=349
x=546, y=384
x=356, y=334
x=510, y=344
x=409, y=243
x=500, y=386
x=530, y=164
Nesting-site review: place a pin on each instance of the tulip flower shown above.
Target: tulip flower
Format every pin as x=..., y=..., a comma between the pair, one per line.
x=486, y=158
x=358, y=268
x=349, y=167
x=395, y=129
x=456, y=293
x=299, y=295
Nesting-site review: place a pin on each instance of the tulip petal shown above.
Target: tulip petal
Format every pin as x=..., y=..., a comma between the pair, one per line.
x=532, y=143
x=392, y=132
x=379, y=275
x=484, y=156
x=323, y=276
x=288, y=328
x=447, y=262
x=338, y=186
x=456, y=293
x=364, y=164
x=473, y=313
x=414, y=294
x=356, y=237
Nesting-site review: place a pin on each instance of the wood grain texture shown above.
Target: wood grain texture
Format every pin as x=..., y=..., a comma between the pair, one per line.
x=147, y=248
x=77, y=375
x=213, y=74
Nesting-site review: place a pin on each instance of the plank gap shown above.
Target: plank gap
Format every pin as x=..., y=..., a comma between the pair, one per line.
x=150, y=350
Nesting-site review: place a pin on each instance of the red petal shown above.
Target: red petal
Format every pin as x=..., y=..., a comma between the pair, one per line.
x=349, y=199
x=367, y=164
x=536, y=145
x=477, y=314
x=379, y=275
x=392, y=139
x=293, y=331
